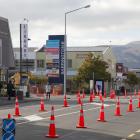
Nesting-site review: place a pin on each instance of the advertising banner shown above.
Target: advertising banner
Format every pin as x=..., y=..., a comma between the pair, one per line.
x=24, y=40
x=52, y=58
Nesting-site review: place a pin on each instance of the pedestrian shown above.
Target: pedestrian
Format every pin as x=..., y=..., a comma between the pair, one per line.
x=1, y=86
x=48, y=91
x=10, y=88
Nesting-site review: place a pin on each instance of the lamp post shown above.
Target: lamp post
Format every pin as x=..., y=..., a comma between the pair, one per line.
x=65, y=44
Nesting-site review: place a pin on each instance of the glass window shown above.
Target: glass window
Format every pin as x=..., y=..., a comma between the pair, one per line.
x=69, y=63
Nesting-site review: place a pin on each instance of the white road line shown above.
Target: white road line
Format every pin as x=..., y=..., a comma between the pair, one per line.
x=131, y=135
x=33, y=118
x=138, y=131
x=66, y=114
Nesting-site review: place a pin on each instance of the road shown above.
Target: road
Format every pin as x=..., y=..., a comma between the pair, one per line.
x=34, y=125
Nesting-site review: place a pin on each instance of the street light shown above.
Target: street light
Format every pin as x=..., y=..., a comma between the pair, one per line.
x=65, y=45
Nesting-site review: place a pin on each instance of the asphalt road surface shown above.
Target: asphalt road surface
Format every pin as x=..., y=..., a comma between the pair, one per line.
x=34, y=125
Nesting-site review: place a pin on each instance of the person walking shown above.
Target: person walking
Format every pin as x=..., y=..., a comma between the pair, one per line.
x=48, y=91
x=10, y=88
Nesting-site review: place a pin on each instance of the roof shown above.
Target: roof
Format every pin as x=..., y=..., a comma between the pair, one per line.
x=101, y=48
x=29, y=48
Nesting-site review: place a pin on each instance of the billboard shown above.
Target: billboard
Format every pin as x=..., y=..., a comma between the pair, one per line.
x=59, y=79
x=52, y=58
x=24, y=40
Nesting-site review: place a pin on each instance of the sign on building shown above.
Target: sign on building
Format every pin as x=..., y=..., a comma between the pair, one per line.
x=24, y=40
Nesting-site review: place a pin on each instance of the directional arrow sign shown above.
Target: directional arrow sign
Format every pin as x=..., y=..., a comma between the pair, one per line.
x=8, y=136
x=8, y=125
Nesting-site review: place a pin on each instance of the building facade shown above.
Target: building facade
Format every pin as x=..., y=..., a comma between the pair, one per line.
x=27, y=64
x=6, y=50
x=76, y=56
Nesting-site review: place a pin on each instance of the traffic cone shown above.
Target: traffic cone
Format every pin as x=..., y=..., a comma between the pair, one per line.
x=78, y=93
x=138, y=103
x=117, y=110
x=52, y=129
x=79, y=100
x=42, y=106
x=81, y=122
x=17, y=112
x=105, y=93
x=65, y=101
x=91, y=97
x=9, y=116
x=102, y=115
x=83, y=94
x=130, y=107
x=100, y=96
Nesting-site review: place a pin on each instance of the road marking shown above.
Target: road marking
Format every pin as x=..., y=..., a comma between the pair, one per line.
x=66, y=114
x=100, y=104
x=33, y=118
x=131, y=135
x=138, y=131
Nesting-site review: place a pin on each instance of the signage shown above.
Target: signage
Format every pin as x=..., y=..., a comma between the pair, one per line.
x=24, y=40
x=8, y=125
x=52, y=58
x=8, y=129
x=8, y=136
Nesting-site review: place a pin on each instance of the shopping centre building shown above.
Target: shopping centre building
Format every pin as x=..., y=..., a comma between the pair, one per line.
x=6, y=51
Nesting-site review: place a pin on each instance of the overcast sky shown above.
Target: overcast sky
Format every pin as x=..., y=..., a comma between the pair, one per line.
x=117, y=21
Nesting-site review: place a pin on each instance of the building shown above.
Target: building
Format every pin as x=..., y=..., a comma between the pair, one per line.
x=6, y=51
x=27, y=64
x=76, y=55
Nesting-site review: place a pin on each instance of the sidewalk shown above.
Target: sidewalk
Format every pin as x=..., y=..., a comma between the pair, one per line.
x=4, y=100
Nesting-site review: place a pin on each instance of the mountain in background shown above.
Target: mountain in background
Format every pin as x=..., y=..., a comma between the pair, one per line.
x=128, y=54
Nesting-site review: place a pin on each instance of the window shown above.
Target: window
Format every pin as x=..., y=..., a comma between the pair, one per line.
x=69, y=63
x=40, y=63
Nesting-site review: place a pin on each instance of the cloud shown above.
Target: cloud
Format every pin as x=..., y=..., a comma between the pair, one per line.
x=116, y=20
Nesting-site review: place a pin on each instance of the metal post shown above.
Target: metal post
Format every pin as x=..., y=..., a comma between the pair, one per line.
x=65, y=46
x=65, y=56
x=20, y=58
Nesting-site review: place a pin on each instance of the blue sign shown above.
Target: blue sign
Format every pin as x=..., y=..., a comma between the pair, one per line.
x=52, y=43
x=8, y=136
x=8, y=125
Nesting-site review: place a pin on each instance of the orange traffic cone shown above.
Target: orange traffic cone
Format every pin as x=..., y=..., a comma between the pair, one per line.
x=52, y=130
x=105, y=93
x=83, y=94
x=9, y=116
x=91, y=97
x=17, y=112
x=42, y=106
x=117, y=110
x=100, y=96
x=81, y=121
x=130, y=107
x=78, y=93
x=102, y=115
x=138, y=103
x=79, y=100
x=65, y=101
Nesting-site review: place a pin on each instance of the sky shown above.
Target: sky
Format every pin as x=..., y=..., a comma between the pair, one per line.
x=110, y=22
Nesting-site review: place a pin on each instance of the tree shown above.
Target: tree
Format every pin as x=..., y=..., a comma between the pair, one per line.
x=90, y=65
x=132, y=79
